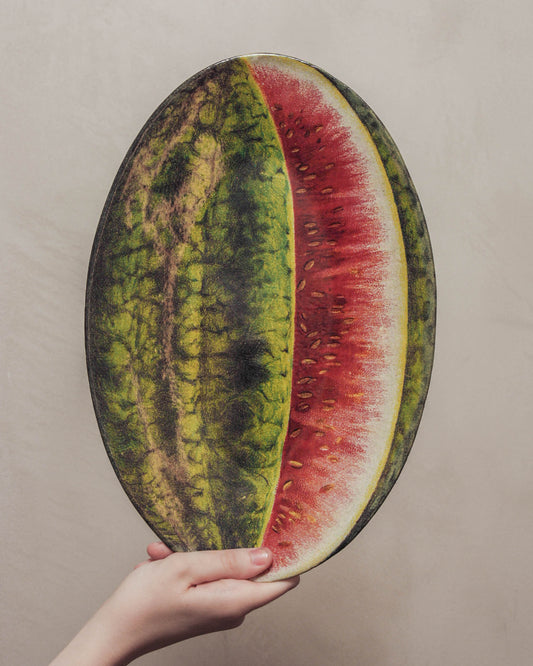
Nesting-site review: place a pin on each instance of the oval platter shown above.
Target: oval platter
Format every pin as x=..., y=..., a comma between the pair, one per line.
x=260, y=314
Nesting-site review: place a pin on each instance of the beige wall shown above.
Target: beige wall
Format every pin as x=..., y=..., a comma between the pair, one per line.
x=443, y=574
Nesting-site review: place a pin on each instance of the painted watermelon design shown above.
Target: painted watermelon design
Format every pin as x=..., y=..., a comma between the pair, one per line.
x=260, y=314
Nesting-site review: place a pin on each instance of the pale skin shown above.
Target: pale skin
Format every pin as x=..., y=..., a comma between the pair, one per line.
x=171, y=597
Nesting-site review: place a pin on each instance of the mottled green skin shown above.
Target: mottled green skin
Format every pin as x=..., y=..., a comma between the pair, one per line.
x=421, y=294
x=190, y=308
x=190, y=313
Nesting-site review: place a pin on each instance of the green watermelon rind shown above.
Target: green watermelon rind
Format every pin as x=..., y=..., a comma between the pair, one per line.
x=270, y=279
x=421, y=305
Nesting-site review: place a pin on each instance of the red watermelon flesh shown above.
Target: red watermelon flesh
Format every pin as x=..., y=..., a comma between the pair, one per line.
x=350, y=322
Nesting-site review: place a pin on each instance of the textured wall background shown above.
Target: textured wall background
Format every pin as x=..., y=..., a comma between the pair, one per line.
x=442, y=575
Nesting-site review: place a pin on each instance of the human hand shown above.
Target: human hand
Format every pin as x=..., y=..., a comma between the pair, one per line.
x=172, y=597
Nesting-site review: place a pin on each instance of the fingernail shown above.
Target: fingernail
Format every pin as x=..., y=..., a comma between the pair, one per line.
x=259, y=556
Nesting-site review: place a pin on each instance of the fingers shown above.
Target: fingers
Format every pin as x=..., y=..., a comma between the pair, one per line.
x=236, y=598
x=254, y=595
x=158, y=551
x=210, y=565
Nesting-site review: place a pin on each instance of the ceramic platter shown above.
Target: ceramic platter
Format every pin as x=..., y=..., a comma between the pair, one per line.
x=260, y=313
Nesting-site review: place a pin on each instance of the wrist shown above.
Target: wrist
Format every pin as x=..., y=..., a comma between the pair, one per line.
x=96, y=644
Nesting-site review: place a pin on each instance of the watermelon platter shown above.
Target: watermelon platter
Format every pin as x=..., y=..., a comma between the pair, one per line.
x=260, y=314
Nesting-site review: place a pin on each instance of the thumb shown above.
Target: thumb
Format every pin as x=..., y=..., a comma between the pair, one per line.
x=208, y=565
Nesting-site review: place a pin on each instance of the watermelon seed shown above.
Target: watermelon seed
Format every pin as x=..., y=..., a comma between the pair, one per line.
x=316, y=343
x=303, y=167
x=313, y=334
x=303, y=327
x=282, y=124
x=274, y=529
x=295, y=150
x=305, y=380
x=301, y=285
x=338, y=209
x=318, y=128
x=322, y=372
x=333, y=459
x=303, y=407
x=296, y=432
x=289, y=133
x=287, y=484
x=310, y=176
x=301, y=190
x=308, y=361
x=314, y=243
x=330, y=357
x=329, y=166
x=324, y=448
x=305, y=394
x=326, y=488
x=309, y=265
x=284, y=544
x=326, y=190
x=296, y=464
x=319, y=433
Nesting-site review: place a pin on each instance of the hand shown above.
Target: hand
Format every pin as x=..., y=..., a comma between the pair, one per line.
x=172, y=597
